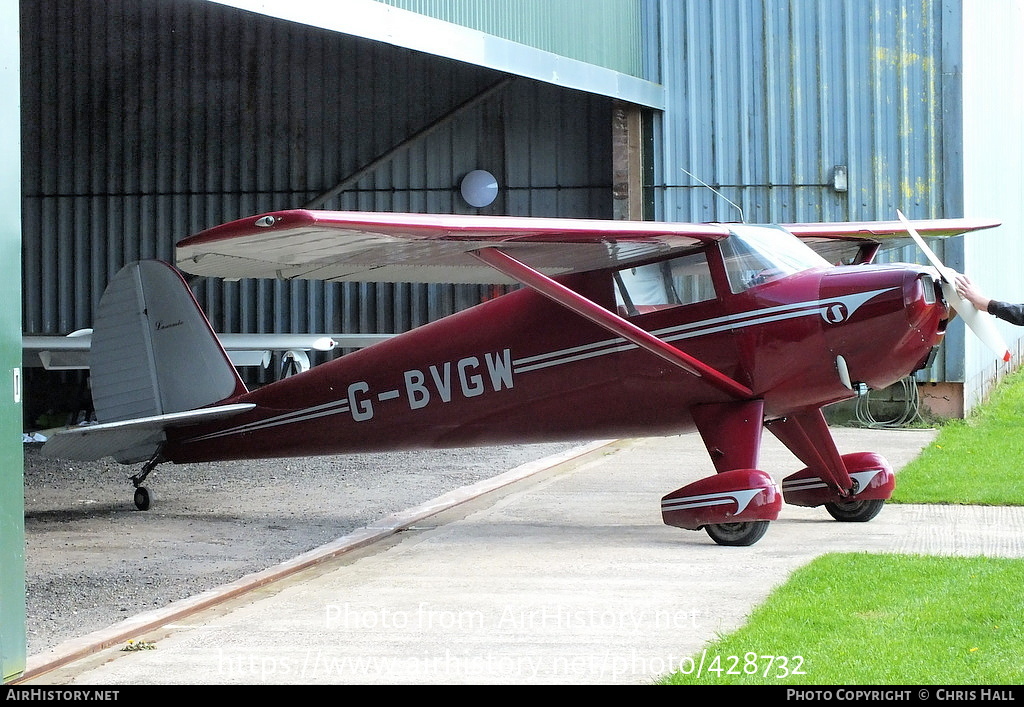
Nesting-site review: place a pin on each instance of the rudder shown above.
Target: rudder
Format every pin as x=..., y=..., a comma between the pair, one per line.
x=153, y=350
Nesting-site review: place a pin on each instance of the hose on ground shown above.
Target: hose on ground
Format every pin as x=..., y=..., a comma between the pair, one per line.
x=910, y=413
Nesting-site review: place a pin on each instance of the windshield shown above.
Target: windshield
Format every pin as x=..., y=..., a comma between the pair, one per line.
x=754, y=255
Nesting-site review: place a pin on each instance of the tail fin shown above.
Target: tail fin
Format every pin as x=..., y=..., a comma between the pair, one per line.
x=153, y=350
x=155, y=364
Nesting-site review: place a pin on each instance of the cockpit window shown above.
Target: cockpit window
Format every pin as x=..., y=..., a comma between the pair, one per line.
x=754, y=255
x=670, y=283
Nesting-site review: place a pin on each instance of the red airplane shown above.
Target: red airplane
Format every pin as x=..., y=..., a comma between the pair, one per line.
x=620, y=329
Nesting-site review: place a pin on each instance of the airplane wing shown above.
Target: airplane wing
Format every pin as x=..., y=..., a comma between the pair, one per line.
x=57, y=353
x=71, y=352
x=432, y=248
x=834, y=240
x=874, y=230
x=436, y=248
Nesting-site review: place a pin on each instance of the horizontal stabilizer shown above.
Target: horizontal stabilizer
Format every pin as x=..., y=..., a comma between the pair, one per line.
x=129, y=441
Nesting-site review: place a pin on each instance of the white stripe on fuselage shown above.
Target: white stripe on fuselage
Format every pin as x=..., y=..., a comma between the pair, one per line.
x=704, y=327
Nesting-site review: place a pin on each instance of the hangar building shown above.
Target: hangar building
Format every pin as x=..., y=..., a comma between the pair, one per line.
x=143, y=121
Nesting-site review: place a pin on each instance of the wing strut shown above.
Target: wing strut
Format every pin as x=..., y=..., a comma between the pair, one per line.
x=608, y=320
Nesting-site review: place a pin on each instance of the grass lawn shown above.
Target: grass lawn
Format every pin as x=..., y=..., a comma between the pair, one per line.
x=861, y=619
x=979, y=460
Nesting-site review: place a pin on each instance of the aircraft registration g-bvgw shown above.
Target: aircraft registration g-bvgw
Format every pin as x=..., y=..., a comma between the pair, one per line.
x=620, y=329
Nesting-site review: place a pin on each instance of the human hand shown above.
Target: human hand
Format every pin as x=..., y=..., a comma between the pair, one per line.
x=966, y=289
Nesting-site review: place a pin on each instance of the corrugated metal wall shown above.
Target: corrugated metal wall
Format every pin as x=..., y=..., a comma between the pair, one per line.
x=765, y=97
x=148, y=120
x=602, y=32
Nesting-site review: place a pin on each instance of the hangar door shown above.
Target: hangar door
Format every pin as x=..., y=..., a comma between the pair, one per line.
x=161, y=118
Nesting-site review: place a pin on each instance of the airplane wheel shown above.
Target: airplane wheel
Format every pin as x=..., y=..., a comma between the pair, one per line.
x=737, y=534
x=855, y=511
x=142, y=498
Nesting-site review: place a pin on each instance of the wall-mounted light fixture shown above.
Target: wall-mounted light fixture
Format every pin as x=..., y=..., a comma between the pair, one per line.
x=839, y=178
x=479, y=188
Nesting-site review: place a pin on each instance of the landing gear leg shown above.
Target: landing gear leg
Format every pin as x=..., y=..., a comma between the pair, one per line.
x=143, y=500
x=807, y=435
x=735, y=505
x=852, y=487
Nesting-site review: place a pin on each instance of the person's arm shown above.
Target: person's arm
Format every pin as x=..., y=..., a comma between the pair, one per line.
x=1013, y=313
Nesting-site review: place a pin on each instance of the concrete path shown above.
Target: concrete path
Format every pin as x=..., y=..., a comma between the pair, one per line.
x=564, y=575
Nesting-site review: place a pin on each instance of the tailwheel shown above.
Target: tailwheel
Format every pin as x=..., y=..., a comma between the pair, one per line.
x=737, y=534
x=855, y=511
x=142, y=498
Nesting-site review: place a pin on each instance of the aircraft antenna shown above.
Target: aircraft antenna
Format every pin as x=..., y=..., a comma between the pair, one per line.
x=743, y=218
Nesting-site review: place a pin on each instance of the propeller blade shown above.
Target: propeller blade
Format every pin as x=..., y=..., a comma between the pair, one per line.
x=979, y=322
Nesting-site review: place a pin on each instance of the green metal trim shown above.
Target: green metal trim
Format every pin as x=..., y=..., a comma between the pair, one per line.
x=12, y=481
x=394, y=25
x=601, y=32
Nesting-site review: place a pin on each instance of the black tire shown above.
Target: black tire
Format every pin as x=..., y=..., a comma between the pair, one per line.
x=142, y=498
x=855, y=511
x=737, y=534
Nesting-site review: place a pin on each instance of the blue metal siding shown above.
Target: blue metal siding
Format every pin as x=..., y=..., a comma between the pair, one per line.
x=765, y=98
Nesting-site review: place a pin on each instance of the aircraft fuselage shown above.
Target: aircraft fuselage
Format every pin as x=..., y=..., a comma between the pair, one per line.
x=521, y=368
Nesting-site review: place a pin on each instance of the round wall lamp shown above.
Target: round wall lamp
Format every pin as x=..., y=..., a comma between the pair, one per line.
x=479, y=188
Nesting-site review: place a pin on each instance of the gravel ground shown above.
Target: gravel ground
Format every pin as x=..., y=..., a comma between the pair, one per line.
x=93, y=560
